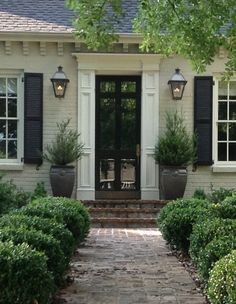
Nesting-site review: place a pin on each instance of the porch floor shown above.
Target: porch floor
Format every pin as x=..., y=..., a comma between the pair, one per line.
x=128, y=266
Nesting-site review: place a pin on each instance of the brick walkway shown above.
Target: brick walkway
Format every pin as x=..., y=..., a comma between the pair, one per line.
x=128, y=266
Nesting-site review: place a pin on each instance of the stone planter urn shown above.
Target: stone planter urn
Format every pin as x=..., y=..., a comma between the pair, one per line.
x=173, y=182
x=62, y=180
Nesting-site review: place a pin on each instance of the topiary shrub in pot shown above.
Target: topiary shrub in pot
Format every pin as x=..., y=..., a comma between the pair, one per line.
x=63, y=151
x=174, y=151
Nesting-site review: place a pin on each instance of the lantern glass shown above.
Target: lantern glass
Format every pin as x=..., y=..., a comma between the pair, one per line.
x=59, y=82
x=177, y=84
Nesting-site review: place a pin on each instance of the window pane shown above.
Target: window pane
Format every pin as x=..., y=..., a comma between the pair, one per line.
x=128, y=123
x=232, y=151
x=127, y=174
x=222, y=131
x=222, y=151
x=232, y=110
x=223, y=89
x=107, y=87
x=107, y=174
x=2, y=149
x=232, y=131
x=2, y=87
x=12, y=107
x=2, y=129
x=232, y=90
x=12, y=129
x=107, y=123
x=128, y=86
x=222, y=111
x=12, y=149
x=12, y=87
x=2, y=107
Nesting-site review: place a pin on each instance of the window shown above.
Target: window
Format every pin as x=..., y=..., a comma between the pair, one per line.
x=11, y=124
x=225, y=113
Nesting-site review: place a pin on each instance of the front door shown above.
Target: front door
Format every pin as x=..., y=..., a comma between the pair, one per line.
x=117, y=159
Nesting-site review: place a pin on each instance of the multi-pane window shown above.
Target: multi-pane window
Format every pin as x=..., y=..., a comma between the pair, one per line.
x=226, y=122
x=9, y=100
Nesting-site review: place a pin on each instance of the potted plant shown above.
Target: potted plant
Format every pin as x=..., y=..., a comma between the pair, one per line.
x=174, y=151
x=63, y=151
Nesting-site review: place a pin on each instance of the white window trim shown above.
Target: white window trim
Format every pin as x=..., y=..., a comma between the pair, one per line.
x=219, y=166
x=16, y=164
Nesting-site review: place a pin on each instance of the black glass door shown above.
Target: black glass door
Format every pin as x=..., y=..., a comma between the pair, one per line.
x=118, y=135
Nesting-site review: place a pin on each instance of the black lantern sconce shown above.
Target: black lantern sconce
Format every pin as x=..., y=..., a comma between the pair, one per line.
x=177, y=84
x=59, y=81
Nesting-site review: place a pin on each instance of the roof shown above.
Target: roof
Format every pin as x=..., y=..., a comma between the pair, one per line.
x=50, y=16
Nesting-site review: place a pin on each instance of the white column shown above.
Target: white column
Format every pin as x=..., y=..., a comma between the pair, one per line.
x=86, y=127
x=149, y=132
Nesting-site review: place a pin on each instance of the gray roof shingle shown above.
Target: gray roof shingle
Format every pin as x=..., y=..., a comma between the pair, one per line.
x=50, y=16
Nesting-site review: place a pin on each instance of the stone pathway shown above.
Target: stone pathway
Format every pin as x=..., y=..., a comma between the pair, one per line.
x=128, y=266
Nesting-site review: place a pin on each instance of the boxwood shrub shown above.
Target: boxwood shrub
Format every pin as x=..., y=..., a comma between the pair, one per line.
x=70, y=212
x=24, y=277
x=46, y=225
x=204, y=232
x=222, y=282
x=177, y=218
x=214, y=251
x=56, y=262
x=225, y=209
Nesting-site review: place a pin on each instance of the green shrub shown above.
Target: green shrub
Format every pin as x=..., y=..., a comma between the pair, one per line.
x=222, y=282
x=199, y=193
x=24, y=278
x=46, y=225
x=176, y=220
x=226, y=209
x=75, y=215
x=218, y=195
x=39, y=191
x=42, y=242
x=214, y=251
x=204, y=232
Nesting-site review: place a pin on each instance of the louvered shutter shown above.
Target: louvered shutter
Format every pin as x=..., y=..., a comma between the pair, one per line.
x=203, y=118
x=33, y=124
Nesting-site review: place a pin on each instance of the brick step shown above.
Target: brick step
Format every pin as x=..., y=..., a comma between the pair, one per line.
x=124, y=222
x=125, y=204
x=124, y=212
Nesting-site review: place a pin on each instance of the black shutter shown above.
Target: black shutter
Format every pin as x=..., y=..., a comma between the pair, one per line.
x=33, y=126
x=203, y=118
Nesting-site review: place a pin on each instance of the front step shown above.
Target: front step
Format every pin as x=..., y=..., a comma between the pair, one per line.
x=124, y=213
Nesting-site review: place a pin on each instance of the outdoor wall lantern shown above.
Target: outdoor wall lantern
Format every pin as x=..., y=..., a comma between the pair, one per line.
x=177, y=84
x=59, y=81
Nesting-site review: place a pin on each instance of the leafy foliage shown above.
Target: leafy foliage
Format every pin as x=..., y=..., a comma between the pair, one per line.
x=218, y=195
x=95, y=21
x=177, y=218
x=205, y=231
x=226, y=209
x=24, y=277
x=42, y=242
x=65, y=148
x=176, y=147
x=46, y=225
x=199, y=193
x=167, y=27
x=222, y=282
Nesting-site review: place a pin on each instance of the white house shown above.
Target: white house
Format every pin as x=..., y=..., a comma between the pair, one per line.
x=117, y=100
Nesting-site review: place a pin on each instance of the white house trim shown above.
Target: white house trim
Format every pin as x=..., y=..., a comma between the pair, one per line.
x=92, y=64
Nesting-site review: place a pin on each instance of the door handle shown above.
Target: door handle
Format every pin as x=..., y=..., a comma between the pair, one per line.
x=138, y=152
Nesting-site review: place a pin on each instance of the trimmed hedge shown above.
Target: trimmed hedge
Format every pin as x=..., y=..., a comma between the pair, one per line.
x=213, y=252
x=177, y=218
x=225, y=209
x=222, y=282
x=204, y=232
x=71, y=213
x=24, y=278
x=46, y=225
x=56, y=262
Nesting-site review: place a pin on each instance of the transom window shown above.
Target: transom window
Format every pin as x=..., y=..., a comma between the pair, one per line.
x=226, y=122
x=9, y=119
